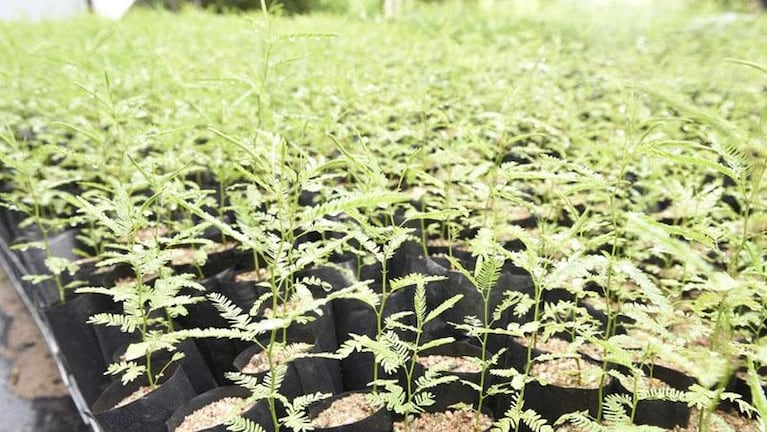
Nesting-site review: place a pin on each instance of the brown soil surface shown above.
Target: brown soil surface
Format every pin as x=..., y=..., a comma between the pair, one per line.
x=292, y=305
x=136, y=395
x=251, y=276
x=188, y=255
x=215, y=413
x=590, y=350
x=438, y=242
x=132, y=280
x=221, y=247
x=33, y=373
x=559, y=345
x=347, y=410
x=736, y=422
x=450, y=363
x=569, y=428
x=651, y=383
x=151, y=233
x=125, y=281
x=552, y=344
x=568, y=372
x=260, y=362
x=183, y=256
x=448, y=421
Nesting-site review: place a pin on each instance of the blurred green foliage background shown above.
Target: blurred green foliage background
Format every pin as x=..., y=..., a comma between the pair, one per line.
x=357, y=7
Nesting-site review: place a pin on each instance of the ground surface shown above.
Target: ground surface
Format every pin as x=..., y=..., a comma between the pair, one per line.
x=32, y=395
x=612, y=149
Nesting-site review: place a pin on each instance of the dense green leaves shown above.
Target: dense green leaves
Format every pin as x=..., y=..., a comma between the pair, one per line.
x=610, y=158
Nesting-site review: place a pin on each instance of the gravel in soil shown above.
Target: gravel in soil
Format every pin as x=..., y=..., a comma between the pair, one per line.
x=567, y=372
x=592, y=351
x=290, y=306
x=132, y=280
x=438, y=242
x=260, y=362
x=559, y=345
x=651, y=383
x=570, y=428
x=185, y=256
x=136, y=395
x=450, y=363
x=347, y=410
x=213, y=414
x=251, y=276
x=151, y=233
x=736, y=422
x=32, y=395
x=552, y=344
x=448, y=421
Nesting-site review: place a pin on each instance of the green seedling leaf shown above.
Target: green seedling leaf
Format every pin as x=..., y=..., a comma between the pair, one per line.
x=36, y=279
x=436, y=343
x=439, y=310
x=757, y=66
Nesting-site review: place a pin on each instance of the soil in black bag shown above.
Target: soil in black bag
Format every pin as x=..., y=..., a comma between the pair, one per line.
x=324, y=324
x=219, y=354
x=453, y=359
x=195, y=368
x=241, y=287
x=515, y=355
x=321, y=325
x=136, y=408
x=655, y=412
x=209, y=411
x=304, y=375
x=671, y=375
x=78, y=343
x=462, y=420
x=412, y=260
x=356, y=317
x=216, y=261
x=349, y=412
x=321, y=333
x=740, y=384
x=472, y=304
x=572, y=385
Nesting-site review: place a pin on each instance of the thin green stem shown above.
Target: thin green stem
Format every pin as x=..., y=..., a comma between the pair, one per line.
x=379, y=319
x=271, y=400
x=530, y=348
x=483, y=354
x=411, y=369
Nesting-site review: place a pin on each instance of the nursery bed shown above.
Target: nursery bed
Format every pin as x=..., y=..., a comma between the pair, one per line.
x=14, y=270
x=31, y=390
x=459, y=182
